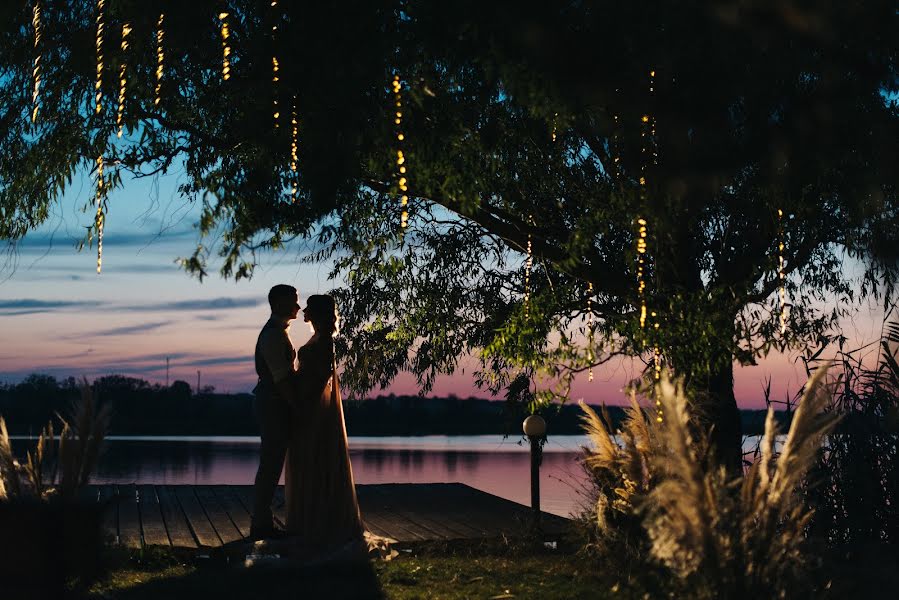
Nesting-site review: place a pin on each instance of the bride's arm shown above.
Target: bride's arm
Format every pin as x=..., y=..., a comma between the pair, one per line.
x=315, y=369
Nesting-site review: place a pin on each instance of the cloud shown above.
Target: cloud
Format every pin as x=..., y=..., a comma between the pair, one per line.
x=33, y=303
x=217, y=360
x=30, y=306
x=27, y=306
x=43, y=240
x=129, y=329
x=189, y=305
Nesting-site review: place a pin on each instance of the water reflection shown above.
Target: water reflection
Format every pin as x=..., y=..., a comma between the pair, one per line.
x=478, y=461
x=490, y=463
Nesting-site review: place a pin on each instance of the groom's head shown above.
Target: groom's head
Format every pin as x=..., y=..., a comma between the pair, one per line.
x=284, y=301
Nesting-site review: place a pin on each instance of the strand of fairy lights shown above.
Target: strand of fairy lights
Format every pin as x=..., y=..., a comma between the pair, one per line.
x=647, y=135
x=226, y=46
x=589, y=310
x=36, y=71
x=590, y=356
x=294, y=128
x=123, y=79
x=781, y=273
x=657, y=355
x=160, y=58
x=528, y=265
x=100, y=216
x=400, y=155
x=98, y=86
x=276, y=67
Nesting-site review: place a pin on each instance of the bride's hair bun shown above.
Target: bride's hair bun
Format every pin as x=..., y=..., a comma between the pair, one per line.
x=323, y=312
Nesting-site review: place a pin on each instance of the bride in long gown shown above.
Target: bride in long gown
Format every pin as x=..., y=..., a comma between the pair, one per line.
x=322, y=508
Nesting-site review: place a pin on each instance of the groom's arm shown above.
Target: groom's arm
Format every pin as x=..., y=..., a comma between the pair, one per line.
x=282, y=369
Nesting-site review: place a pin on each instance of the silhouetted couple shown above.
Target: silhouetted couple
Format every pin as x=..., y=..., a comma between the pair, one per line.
x=301, y=419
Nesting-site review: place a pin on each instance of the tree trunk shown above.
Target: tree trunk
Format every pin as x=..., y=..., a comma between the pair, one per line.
x=720, y=416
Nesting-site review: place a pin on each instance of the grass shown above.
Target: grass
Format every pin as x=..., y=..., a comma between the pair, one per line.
x=495, y=571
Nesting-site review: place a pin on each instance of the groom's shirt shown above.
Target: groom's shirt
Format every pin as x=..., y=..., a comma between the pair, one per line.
x=274, y=352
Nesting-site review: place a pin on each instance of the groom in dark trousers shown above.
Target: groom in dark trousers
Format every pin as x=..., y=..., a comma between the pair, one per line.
x=275, y=359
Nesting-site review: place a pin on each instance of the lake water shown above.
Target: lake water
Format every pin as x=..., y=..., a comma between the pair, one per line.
x=486, y=462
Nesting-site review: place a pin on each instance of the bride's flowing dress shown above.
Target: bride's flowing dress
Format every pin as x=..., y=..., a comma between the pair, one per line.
x=322, y=508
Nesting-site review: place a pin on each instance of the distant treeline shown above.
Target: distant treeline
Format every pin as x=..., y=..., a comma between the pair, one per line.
x=141, y=408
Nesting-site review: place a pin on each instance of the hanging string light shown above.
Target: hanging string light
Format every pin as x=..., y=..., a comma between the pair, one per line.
x=400, y=155
x=36, y=71
x=160, y=57
x=276, y=111
x=590, y=356
x=100, y=216
x=98, y=85
x=98, y=89
x=226, y=46
x=528, y=265
x=649, y=155
x=293, y=149
x=123, y=80
x=781, y=272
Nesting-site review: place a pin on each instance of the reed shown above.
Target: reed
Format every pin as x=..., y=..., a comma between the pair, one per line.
x=718, y=536
x=56, y=469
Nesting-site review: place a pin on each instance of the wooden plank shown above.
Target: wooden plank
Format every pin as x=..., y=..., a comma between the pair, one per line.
x=402, y=502
x=488, y=511
x=129, y=516
x=246, y=495
x=196, y=516
x=374, y=526
x=377, y=510
x=151, y=522
x=175, y=521
x=430, y=502
x=108, y=495
x=217, y=515
x=510, y=516
x=455, y=508
x=238, y=513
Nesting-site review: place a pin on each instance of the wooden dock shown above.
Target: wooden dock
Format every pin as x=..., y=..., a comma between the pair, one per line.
x=210, y=516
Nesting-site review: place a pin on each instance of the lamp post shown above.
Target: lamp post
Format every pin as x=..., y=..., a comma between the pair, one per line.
x=535, y=428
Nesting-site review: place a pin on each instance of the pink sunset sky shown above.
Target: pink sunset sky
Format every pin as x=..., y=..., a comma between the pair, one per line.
x=58, y=317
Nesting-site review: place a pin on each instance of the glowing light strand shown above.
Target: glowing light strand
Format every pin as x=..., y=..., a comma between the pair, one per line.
x=98, y=109
x=403, y=180
x=98, y=85
x=123, y=79
x=36, y=71
x=160, y=58
x=276, y=77
x=294, y=128
x=100, y=218
x=226, y=46
x=528, y=266
x=590, y=355
x=781, y=272
x=647, y=135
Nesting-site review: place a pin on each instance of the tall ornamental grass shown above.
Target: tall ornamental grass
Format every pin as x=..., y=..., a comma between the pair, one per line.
x=56, y=467
x=684, y=518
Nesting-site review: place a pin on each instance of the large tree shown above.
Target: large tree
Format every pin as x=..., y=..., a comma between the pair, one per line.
x=563, y=127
